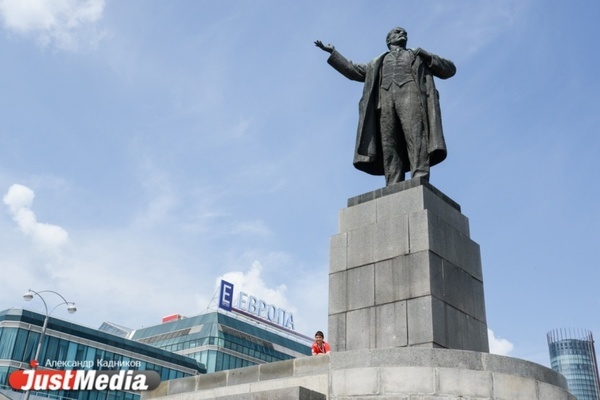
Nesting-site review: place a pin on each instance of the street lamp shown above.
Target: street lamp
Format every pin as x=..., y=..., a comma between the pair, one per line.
x=70, y=308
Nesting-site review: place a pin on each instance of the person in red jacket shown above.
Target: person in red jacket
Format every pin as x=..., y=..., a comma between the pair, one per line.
x=320, y=346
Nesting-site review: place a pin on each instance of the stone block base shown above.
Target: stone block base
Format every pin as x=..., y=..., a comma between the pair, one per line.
x=295, y=393
x=431, y=374
x=400, y=373
x=404, y=272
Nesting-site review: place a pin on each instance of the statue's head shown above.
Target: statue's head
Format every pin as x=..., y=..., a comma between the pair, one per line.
x=397, y=36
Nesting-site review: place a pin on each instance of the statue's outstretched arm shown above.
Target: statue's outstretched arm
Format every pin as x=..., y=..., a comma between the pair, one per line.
x=355, y=72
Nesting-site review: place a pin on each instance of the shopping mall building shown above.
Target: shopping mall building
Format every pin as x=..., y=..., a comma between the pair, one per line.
x=240, y=334
x=234, y=335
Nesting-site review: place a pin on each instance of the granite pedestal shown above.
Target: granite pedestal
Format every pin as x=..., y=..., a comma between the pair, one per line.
x=404, y=272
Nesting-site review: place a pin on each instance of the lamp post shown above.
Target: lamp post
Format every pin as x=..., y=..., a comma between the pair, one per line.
x=70, y=308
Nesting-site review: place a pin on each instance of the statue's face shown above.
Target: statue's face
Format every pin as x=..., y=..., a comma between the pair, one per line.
x=397, y=36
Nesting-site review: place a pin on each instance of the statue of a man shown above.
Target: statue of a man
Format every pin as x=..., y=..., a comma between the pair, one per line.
x=400, y=126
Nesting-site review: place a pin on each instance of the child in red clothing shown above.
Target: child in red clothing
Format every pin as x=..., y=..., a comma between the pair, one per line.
x=320, y=346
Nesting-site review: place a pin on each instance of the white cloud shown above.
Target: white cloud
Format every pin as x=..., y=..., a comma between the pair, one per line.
x=19, y=199
x=66, y=24
x=498, y=345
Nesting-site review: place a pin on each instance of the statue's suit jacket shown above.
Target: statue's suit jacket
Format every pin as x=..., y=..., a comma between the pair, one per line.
x=368, y=154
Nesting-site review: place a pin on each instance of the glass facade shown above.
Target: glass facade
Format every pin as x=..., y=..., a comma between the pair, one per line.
x=573, y=355
x=20, y=331
x=223, y=340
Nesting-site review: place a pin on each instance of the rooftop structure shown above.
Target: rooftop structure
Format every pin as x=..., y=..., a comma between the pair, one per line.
x=572, y=354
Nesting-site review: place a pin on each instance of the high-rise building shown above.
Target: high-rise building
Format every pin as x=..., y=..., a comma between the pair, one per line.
x=573, y=355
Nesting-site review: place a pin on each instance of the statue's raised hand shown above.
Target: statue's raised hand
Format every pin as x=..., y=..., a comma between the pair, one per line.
x=325, y=47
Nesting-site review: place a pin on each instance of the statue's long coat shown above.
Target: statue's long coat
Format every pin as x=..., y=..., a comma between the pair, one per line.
x=368, y=154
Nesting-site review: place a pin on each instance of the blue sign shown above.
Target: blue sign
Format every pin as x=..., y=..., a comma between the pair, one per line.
x=226, y=298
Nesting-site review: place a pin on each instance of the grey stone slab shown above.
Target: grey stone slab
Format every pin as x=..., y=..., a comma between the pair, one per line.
x=311, y=365
x=418, y=232
x=306, y=394
x=479, y=302
x=361, y=287
x=338, y=292
x=412, y=183
x=438, y=374
x=420, y=320
x=425, y=357
x=426, y=322
x=463, y=382
x=451, y=215
x=434, y=276
x=484, y=342
x=511, y=387
x=354, y=382
x=457, y=329
x=392, y=280
x=336, y=324
x=177, y=386
x=448, y=358
x=377, y=242
x=243, y=375
x=399, y=204
x=471, y=259
x=455, y=247
x=361, y=246
x=210, y=381
x=276, y=370
x=429, y=232
x=350, y=359
x=465, y=332
x=161, y=391
x=239, y=396
x=510, y=365
x=478, y=335
x=547, y=391
x=291, y=393
x=392, y=238
x=358, y=216
x=360, y=329
x=440, y=323
x=408, y=276
x=418, y=199
x=378, y=397
x=338, y=246
x=407, y=380
x=391, y=326
x=463, y=291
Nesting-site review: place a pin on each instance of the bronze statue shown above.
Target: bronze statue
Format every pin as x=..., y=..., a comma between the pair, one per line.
x=400, y=125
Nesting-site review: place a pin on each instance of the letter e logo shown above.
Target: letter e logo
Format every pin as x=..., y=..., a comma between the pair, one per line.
x=226, y=298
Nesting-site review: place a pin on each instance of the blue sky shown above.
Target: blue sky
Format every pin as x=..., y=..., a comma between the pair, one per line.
x=148, y=148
